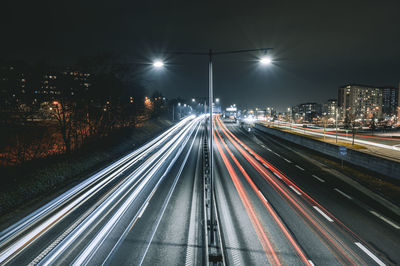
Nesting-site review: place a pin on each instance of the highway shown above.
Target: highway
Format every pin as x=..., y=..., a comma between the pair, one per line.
x=383, y=146
x=275, y=206
x=299, y=213
x=390, y=144
x=123, y=209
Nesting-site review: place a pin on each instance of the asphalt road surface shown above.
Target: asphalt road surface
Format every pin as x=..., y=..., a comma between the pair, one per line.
x=275, y=206
x=143, y=209
x=299, y=213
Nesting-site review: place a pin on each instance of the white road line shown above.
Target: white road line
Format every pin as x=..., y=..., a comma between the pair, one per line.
x=311, y=263
x=318, y=178
x=383, y=218
x=369, y=253
x=265, y=165
x=295, y=190
x=276, y=154
x=278, y=176
x=286, y=160
x=342, y=193
x=302, y=169
x=323, y=214
x=262, y=195
x=142, y=211
x=269, y=149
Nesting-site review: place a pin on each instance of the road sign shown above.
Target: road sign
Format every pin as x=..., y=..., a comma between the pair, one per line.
x=343, y=150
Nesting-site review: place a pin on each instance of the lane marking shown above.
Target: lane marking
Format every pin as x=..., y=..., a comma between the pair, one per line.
x=342, y=193
x=295, y=190
x=311, y=263
x=265, y=165
x=299, y=167
x=286, y=160
x=383, y=218
x=323, y=214
x=276, y=154
x=262, y=195
x=278, y=176
x=318, y=178
x=142, y=211
x=369, y=253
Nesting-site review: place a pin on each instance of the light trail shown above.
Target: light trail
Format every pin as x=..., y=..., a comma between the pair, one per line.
x=160, y=156
x=265, y=242
x=164, y=207
x=130, y=226
x=270, y=210
x=333, y=133
x=335, y=242
x=21, y=225
x=380, y=145
x=92, y=186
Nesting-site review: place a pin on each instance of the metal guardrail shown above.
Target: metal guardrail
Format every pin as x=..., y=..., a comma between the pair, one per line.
x=214, y=249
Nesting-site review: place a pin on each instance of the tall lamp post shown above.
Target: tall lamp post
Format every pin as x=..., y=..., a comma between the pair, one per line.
x=265, y=60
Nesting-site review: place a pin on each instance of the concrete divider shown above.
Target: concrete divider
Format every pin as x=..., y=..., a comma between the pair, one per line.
x=370, y=162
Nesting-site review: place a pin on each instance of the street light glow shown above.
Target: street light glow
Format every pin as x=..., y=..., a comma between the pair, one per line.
x=266, y=60
x=217, y=100
x=158, y=64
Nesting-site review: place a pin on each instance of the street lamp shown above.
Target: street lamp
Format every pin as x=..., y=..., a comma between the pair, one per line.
x=158, y=64
x=265, y=60
x=217, y=100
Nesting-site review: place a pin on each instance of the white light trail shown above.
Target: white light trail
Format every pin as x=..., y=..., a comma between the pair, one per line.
x=121, y=165
x=160, y=157
x=394, y=147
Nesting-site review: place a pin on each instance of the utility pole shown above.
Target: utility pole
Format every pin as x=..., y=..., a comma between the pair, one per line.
x=210, y=93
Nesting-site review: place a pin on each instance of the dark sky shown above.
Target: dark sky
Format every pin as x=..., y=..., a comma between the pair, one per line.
x=318, y=45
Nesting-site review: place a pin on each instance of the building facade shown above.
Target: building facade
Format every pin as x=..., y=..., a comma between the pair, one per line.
x=390, y=101
x=306, y=112
x=360, y=102
x=329, y=108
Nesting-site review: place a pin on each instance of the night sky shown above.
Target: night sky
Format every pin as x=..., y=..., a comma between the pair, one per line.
x=318, y=45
